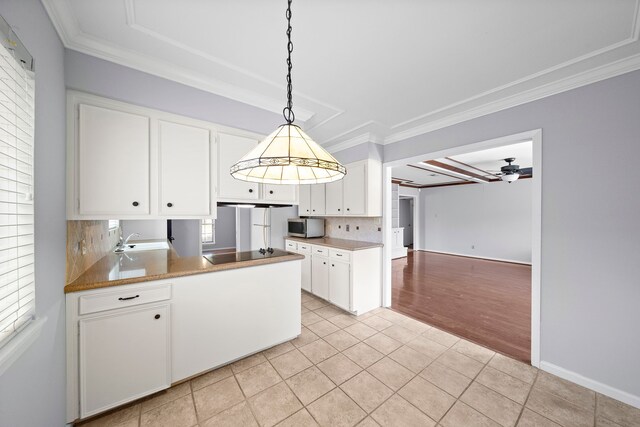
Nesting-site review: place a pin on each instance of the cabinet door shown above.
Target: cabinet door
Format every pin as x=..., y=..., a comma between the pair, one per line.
x=304, y=194
x=113, y=162
x=124, y=355
x=318, y=199
x=184, y=170
x=355, y=190
x=279, y=193
x=340, y=284
x=231, y=148
x=320, y=276
x=306, y=273
x=334, y=198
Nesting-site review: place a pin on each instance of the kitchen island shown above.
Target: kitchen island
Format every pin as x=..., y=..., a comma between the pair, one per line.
x=139, y=322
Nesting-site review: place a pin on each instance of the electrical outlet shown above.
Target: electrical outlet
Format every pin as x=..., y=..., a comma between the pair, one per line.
x=347, y=227
x=83, y=246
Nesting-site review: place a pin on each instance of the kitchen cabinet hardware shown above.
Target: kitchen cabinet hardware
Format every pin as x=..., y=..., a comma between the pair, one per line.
x=270, y=191
x=157, y=316
x=135, y=203
x=169, y=205
x=251, y=190
x=128, y=298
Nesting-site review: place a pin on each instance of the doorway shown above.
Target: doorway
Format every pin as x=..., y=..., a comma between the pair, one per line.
x=510, y=272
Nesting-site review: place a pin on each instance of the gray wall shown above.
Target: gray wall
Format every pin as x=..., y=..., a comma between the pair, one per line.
x=590, y=211
x=32, y=390
x=147, y=228
x=368, y=150
x=406, y=220
x=225, y=228
x=482, y=220
x=186, y=232
x=104, y=78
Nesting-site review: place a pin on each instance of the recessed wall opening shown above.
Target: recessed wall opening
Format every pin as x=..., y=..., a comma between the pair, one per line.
x=469, y=262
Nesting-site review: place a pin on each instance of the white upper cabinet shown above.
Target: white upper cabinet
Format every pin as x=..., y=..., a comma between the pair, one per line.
x=312, y=200
x=113, y=162
x=354, y=190
x=279, y=193
x=334, y=191
x=185, y=156
x=231, y=148
x=304, y=197
x=131, y=162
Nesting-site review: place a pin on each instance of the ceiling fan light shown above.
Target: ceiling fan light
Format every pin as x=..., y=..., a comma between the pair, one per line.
x=510, y=177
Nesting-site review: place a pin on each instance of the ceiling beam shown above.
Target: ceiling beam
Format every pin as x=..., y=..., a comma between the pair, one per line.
x=437, y=172
x=471, y=176
x=470, y=166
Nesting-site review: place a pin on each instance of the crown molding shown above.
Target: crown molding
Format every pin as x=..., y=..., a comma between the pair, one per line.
x=72, y=36
x=594, y=75
x=352, y=142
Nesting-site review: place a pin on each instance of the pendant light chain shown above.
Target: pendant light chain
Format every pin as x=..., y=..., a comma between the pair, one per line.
x=288, y=155
x=288, y=110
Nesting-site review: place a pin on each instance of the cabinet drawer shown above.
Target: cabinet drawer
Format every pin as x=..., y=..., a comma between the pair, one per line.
x=340, y=255
x=319, y=250
x=122, y=298
x=304, y=248
x=291, y=246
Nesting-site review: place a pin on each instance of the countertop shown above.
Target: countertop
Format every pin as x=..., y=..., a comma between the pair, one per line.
x=349, y=245
x=134, y=267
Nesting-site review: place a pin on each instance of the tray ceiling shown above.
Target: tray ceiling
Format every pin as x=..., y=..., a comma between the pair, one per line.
x=472, y=167
x=364, y=71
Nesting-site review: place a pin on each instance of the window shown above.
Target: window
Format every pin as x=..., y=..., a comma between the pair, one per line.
x=208, y=231
x=17, y=286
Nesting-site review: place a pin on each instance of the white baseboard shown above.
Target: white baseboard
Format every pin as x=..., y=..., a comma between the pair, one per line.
x=513, y=261
x=612, y=392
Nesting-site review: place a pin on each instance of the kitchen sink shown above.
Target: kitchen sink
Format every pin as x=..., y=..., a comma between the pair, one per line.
x=144, y=246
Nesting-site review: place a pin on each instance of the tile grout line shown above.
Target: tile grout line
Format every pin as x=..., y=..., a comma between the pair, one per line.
x=463, y=391
x=524, y=405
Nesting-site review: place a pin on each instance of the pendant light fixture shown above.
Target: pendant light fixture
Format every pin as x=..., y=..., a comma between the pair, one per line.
x=288, y=155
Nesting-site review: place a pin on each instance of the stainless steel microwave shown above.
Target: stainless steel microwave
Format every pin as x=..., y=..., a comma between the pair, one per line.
x=306, y=227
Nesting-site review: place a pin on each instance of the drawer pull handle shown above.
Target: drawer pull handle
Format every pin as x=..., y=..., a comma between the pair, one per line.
x=157, y=316
x=319, y=251
x=338, y=254
x=128, y=298
x=332, y=265
x=135, y=203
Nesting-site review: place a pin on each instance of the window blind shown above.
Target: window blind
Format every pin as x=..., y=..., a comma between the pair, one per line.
x=17, y=284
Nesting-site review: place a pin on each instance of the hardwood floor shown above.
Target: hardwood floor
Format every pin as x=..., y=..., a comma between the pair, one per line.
x=488, y=302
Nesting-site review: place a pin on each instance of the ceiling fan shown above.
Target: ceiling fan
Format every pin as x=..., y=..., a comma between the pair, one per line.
x=511, y=172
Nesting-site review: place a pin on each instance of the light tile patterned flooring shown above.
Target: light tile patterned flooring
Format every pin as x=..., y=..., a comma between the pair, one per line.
x=381, y=368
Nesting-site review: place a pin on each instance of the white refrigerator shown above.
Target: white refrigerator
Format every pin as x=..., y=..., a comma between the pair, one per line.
x=269, y=226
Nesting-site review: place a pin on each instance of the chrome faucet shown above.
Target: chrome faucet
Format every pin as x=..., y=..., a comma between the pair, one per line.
x=122, y=243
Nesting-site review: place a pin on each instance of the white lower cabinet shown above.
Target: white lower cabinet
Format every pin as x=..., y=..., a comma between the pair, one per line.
x=306, y=274
x=351, y=280
x=320, y=276
x=124, y=354
x=340, y=284
x=126, y=342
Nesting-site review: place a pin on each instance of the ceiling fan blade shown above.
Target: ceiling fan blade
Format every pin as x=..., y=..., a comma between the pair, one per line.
x=526, y=171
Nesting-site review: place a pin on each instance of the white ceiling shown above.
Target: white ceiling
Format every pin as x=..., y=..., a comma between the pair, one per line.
x=377, y=71
x=490, y=161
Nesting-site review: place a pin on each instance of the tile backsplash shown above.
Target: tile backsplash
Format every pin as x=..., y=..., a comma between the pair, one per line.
x=363, y=229
x=99, y=240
